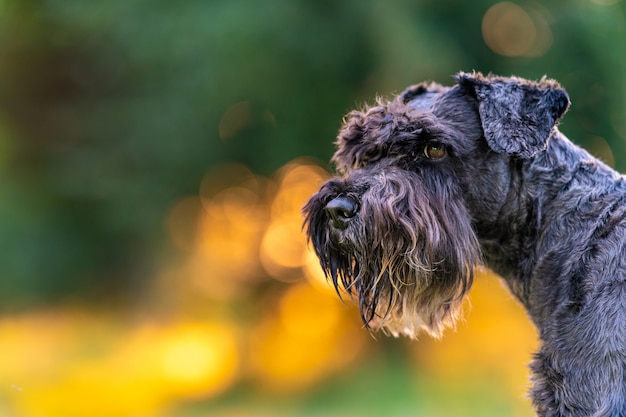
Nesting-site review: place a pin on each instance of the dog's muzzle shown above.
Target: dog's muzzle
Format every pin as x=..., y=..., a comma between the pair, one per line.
x=341, y=210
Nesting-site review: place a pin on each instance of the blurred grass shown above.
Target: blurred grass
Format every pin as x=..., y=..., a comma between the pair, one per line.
x=377, y=387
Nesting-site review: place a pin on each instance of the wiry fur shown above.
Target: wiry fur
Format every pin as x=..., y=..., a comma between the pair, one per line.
x=403, y=232
x=412, y=270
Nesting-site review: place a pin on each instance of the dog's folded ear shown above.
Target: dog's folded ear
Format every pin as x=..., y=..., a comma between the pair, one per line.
x=517, y=115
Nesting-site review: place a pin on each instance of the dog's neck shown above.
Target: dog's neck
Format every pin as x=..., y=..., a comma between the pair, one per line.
x=541, y=185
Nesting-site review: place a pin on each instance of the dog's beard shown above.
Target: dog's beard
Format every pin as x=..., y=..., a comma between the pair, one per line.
x=408, y=255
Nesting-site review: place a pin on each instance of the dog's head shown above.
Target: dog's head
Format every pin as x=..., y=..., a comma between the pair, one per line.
x=396, y=228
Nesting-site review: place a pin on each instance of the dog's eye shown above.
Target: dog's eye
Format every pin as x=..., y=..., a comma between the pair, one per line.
x=435, y=151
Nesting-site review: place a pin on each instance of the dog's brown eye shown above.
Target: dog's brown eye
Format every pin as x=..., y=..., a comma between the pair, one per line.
x=435, y=151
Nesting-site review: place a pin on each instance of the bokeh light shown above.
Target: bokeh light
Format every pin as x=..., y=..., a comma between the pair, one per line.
x=510, y=30
x=284, y=247
x=473, y=347
x=308, y=338
x=186, y=360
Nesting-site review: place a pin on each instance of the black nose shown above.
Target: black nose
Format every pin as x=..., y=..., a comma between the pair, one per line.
x=341, y=209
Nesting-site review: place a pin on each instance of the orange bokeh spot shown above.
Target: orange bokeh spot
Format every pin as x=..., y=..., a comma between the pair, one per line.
x=226, y=255
x=313, y=337
x=314, y=273
x=297, y=181
x=283, y=247
x=196, y=359
x=510, y=30
x=284, y=244
x=306, y=313
x=496, y=339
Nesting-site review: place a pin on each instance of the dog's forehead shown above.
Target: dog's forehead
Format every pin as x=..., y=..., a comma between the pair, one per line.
x=421, y=97
x=423, y=102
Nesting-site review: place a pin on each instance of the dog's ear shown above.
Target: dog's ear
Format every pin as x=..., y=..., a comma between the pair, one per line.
x=517, y=115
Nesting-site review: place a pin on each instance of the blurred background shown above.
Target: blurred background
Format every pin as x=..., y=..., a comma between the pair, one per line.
x=154, y=158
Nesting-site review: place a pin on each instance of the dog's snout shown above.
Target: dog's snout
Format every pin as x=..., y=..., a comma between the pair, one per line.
x=341, y=209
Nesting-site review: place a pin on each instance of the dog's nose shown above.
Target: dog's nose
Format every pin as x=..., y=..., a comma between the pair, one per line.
x=341, y=209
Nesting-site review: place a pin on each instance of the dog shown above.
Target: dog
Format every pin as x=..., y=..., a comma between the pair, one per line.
x=441, y=180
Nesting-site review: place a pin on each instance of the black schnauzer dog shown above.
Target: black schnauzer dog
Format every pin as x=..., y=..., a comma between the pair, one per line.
x=440, y=180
